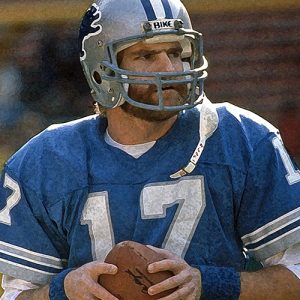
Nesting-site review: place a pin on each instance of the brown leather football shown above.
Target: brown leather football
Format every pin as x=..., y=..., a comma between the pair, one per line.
x=133, y=280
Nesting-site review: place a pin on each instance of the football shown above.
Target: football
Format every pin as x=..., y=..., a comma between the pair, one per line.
x=133, y=280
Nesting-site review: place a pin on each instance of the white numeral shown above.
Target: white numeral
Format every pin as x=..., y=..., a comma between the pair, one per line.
x=12, y=200
x=189, y=194
x=293, y=175
x=97, y=216
x=155, y=199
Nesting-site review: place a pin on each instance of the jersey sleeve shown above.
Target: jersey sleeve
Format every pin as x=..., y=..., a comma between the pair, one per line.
x=268, y=219
x=29, y=241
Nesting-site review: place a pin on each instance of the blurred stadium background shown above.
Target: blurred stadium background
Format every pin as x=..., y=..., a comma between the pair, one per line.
x=253, y=49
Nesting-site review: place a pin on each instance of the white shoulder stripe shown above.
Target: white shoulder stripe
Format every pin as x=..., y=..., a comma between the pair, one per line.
x=277, y=245
x=26, y=267
x=271, y=232
x=24, y=272
x=32, y=256
x=275, y=240
x=32, y=260
x=272, y=227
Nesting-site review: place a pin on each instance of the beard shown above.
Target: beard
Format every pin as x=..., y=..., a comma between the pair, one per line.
x=147, y=94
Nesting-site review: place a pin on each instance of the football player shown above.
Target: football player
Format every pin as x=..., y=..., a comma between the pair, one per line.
x=159, y=164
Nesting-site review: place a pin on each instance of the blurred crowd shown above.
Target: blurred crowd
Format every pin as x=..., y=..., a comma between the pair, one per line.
x=41, y=82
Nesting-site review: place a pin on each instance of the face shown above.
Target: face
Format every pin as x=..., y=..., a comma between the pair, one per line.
x=158, y=57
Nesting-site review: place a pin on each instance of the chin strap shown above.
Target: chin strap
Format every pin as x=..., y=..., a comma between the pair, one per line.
x=208, y=124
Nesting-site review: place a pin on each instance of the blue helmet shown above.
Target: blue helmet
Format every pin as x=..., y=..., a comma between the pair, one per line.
x=110, y=26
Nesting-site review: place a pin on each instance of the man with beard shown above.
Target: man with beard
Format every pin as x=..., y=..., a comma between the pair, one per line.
x=203, y=183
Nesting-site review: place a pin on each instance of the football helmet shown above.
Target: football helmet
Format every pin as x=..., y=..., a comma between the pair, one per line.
x=110, y=26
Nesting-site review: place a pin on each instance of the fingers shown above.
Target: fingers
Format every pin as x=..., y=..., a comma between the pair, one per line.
x=89, y=291
x=183, y=293
x=100, y=292
x=169, y=283
x=93, y=290
x=82, y=283
x=168, y=265
x=186, y=279
x=97, y=268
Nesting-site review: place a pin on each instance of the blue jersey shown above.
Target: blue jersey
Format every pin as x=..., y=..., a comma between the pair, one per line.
x=67, y=196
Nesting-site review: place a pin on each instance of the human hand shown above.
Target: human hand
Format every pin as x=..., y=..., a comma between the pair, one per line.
x=82, y=283
x=186, y=279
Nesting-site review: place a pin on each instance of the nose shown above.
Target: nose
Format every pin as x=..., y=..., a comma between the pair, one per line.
x=164, y=63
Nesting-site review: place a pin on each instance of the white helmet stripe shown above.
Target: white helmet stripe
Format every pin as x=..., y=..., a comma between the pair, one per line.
x=149, y=10
x=159, y=9
x=168, y=10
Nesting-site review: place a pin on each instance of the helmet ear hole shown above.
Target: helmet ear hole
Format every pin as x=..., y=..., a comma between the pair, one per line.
x=97, y=77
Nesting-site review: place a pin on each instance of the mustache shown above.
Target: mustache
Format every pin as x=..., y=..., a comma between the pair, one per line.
x=144, y=92
x=152, y=88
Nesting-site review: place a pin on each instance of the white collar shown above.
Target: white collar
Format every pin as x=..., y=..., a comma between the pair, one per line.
x=135, y=151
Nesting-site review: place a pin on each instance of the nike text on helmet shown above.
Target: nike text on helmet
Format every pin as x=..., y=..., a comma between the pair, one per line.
x=110, y=26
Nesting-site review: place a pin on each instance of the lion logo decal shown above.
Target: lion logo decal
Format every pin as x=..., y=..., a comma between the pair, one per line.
x=89, y=27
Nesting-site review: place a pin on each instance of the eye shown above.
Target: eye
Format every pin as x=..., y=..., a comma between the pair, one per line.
x=175, y=53
x=146, y=56
x=178, y=53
